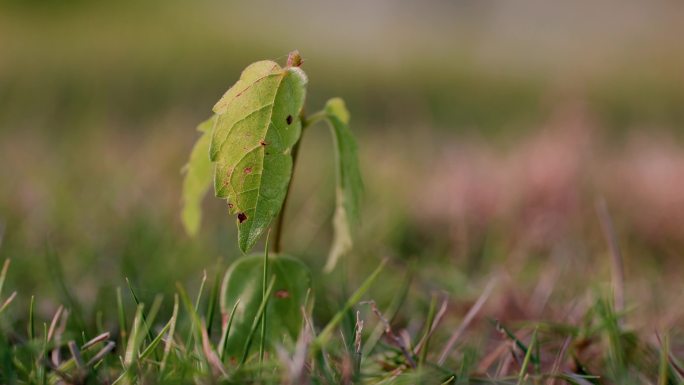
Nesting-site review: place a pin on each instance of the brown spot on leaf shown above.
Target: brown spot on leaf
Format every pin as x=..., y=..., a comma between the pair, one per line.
x=282, y=294
x=289, y=119
x=261, y=142
x=242, y=217
x=248, y=170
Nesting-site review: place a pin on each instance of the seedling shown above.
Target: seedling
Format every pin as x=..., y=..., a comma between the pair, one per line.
x=249, y=149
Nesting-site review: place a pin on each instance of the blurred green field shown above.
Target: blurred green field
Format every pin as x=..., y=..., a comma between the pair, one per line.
x=486, y=134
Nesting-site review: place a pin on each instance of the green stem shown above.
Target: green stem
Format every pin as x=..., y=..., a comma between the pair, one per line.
x=263, y=298
x=313, y=119
x=306, y=122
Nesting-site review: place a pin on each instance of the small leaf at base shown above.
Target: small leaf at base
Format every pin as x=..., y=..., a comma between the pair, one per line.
x=243, y=282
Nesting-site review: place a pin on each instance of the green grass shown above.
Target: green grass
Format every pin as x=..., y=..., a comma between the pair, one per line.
x=149, y=346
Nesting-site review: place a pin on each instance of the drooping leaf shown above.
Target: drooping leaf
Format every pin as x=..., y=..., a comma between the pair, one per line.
x=258, y=123
x=349, y=183
x=198, y=174
x=243, y=281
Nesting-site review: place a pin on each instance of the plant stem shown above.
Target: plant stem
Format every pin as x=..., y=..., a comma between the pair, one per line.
x=306, y=122
x=263, y=298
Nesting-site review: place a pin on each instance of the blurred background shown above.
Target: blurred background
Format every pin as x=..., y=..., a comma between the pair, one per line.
x=487, y=131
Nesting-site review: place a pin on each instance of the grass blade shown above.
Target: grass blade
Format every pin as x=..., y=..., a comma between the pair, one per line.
x=3, y=274
x=8, y=301
x=519, y=344
x=135, y=339
x=358, y=330
x=390, y=313
x=226, y=331
x=210, y=353
x=195, y=317
x=31, y=320
x=94, y=341
x=137, y=302
x=466, y=321
x=617, y=264
x=324, y=336
x=122, y=317
x=155, y=341
x=528, y=358
x=169, y=338
x=663, y=370
x=257, y=320
x=213, y=298
x=101, y=354
x=428, y=328
x=195, y=323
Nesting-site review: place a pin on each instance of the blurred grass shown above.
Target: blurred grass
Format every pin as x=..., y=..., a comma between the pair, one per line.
x=69, y=66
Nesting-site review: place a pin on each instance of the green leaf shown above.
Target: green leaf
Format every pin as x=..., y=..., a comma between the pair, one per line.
x=349, y=183
x=258, y=124
x=243, y=281
x=198, y=173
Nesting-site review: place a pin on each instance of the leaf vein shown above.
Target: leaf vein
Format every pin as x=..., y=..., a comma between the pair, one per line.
x=242, y=119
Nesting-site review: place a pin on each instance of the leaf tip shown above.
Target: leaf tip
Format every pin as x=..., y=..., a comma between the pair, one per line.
x=243, y=243
x=338, y=108
x=190, y=220
x=246, y=235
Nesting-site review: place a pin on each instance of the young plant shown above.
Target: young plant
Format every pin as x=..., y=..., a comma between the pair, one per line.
x=249, y=148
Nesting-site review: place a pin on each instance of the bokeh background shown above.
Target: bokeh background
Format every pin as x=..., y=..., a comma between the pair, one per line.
x=487, y=131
